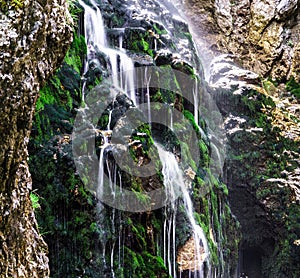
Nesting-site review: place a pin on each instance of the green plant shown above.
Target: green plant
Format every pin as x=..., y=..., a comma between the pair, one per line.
x=142, y=45
x=35, y=200
x=74, y=10
x=189, y=116
x=290, y=43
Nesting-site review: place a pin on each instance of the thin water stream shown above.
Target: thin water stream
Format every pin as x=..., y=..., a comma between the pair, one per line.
x=122, y=68
x=123, y=78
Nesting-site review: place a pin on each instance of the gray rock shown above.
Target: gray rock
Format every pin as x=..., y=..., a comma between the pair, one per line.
x=264, y=35
x=34, y=38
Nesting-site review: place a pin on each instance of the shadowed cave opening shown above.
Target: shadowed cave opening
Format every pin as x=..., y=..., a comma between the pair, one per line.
x=250, y=262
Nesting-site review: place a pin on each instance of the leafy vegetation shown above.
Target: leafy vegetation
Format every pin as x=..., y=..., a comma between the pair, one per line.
x=35, y=200
x=293, y=87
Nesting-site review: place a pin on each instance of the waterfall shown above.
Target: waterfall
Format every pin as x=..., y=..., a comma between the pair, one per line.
x=101, y=163
x=171, y=176
x=121, y=42
x=109, y=119
x=122, y=68
x=174, y=180
x=198, y=234
x=147, y=81
x=171, y=109
x=123, y=78
x=196, y=102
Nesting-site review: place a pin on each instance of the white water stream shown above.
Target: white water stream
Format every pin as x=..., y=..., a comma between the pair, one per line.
x=174, y=180
x=122, y=71
x=122, y=68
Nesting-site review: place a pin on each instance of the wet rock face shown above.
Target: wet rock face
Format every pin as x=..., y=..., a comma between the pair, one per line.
x=263, y=35
x=34, y=36
x=232, y=89
x=261, y=169
x=52, y=164
x=149, y=27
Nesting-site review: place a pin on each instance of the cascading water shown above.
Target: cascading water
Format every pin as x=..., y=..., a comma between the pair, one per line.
x=123, y=78
x=122, y=68
x=174, y=180
x=196, y=102
x=169, y=167
x=147, y=81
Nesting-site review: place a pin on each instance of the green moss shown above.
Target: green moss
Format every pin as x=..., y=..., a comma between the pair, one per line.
x=167, y=86
x=293, y=87
x=214, y=258
x=205, y=225
x=224, y=188
x=66, y=216
x=46, y=97
x=76, y=52
x=117, y=20
x=143, y=198
x=141, y=45
x=139, y=231
x=54, y=93
x=135, y=262
x=140, y=265
x=157, y=97
x=54, y=107
x=189, y=116
x=155, y=266
x=204, y=154
x=252, y=105
x=186, y=155
x=159, y=30
x=103, y=121
x=144, y=136
x=214, y=209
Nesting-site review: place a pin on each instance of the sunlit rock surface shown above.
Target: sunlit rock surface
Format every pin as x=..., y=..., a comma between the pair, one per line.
x=263, y=35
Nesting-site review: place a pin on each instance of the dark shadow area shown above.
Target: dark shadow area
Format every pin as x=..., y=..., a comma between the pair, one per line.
x=250, y=262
